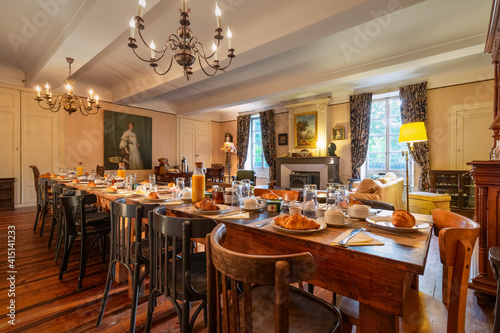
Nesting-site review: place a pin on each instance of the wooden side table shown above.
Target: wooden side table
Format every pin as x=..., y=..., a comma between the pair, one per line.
x=7, y=193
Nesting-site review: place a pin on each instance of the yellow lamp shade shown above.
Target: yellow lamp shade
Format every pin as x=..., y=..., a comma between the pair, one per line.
x=413, y=132
x=228, y=147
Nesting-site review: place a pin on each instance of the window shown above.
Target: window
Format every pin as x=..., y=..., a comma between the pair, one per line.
x=384, y=150
x=255, y=157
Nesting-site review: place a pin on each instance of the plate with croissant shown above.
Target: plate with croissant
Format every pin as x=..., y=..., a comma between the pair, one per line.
x=297, y=223
x=208, y=207
x=400, y=221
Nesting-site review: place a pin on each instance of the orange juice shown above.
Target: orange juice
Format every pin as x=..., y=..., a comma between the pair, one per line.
x=198, y=187
x=120, y=173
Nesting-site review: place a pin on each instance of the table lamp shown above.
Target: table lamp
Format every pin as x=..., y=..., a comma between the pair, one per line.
x=228, y=147
x=410, y=133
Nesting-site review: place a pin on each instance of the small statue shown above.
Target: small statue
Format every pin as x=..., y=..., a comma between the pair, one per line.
x=163, y=165
x=331, y=149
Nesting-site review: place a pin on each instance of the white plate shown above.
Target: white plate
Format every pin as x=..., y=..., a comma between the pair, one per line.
x=322, y=225
x=223, y=209
x=385, y=222
x=171, y=203
x=155, y=200
x=334, y=225
x=251, y=210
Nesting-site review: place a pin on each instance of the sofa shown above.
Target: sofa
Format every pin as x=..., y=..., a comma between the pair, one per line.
x=388, y=189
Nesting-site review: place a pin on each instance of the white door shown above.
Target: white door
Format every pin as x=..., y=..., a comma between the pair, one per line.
x=42, y=139
x=10, y=149
x=194, y=142
x=471, y=136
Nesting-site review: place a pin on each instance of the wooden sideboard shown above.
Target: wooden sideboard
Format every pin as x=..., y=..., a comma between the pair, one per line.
x=7, y=193
x=486, y=176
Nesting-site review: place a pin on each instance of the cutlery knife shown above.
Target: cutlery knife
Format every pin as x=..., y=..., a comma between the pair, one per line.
x=353, y=233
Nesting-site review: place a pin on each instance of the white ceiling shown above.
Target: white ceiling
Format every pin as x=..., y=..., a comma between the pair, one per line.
x=284, y=49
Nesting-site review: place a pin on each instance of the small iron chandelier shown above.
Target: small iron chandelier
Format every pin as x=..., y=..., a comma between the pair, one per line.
x=183, y=46
x=68, y=101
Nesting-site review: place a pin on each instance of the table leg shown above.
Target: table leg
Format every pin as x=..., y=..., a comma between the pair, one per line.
x=373, y=320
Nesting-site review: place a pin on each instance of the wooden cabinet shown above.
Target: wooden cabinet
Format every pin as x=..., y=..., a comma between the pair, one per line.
x=459, y=186
x=486, y=175
x=7, y=193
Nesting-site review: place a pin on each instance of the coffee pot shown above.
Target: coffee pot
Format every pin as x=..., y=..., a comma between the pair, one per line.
x=184, y=166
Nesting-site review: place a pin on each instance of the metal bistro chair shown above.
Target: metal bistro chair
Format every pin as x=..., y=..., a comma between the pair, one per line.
x=129, y=248
x=57, y=190
x=266, y=302
x=374, y=204
x=422, y=313
x=177, y=277
x=77, y=222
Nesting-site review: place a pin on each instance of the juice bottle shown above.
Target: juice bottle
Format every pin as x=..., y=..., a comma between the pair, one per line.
x=79, y=169
x=198, y=183
x=121, y=170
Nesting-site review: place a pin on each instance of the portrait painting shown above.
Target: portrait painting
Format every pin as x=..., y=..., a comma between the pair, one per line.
x=127, y=139
x=306, y=130
x=338, y=133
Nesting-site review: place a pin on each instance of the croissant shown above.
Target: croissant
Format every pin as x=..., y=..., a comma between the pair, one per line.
x=206, y=204
x=353, y=202
x=402, y=219
x=296, y=222
x=91, y=184
x=112, y=189
x=269, y=195
x=153, y=195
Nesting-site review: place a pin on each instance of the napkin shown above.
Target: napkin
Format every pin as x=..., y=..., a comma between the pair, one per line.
x=242, y=215
x=360, y=239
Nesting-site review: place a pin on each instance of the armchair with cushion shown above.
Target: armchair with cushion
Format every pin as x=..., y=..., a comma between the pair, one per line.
x=387, y=189
x=246, y=174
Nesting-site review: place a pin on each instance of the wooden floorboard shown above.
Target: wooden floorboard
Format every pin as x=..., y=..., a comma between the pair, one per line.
x=45, y=304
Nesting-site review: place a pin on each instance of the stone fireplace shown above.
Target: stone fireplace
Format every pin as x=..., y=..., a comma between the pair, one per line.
x=325, y=170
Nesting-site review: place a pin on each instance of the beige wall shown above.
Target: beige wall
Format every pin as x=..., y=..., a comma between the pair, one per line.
x=84, y=137
x=440, y=102
x=338, y=115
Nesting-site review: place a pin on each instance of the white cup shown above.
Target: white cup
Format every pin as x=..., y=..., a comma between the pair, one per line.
x=295, y=209
x=334, y=216
x=359, y=211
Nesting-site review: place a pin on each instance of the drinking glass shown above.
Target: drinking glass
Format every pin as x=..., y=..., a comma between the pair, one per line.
x=152, y=180
x=236, y=186
x=343, y=203
x=179, y=186
x=245, y=188
x=331, y=195
x=310, y=204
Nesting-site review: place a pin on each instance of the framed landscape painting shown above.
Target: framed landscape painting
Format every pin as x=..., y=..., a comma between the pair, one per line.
x=127, y=139
x=306, y=130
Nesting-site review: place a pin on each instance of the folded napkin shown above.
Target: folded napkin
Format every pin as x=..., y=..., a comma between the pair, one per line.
x=360, y=239
x=242, y=215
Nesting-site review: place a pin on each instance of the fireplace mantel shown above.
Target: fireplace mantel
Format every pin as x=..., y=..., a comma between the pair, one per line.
x=286, y=165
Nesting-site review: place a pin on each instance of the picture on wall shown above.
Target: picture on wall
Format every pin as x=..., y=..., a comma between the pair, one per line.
x=127, y=139
x=338, y=133
x=306, y=130
x=282, y=139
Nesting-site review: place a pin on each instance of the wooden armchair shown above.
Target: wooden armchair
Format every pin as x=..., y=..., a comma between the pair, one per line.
x=214, y=174
x=422, y=313
x=246, y=174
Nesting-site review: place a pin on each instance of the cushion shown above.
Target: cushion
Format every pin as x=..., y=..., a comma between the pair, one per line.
x=433, y=197
x=367, y=186
x=383, y=180
x=390, y=176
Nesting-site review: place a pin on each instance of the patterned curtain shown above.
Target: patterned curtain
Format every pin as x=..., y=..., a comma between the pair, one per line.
x=360, y=106
x=414, y=108
x=242, y=133
x=268, y=143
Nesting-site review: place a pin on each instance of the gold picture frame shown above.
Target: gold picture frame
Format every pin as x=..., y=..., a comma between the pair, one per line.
x=306, y=130
x=338, y=133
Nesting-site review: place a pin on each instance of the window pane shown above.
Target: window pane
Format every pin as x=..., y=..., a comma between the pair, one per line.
x=395, y=125
x=257, y=161
x=378, y=110
x=395, y=106
x=376, y=144
x=376, y=161
x=257, y=149
x=377, y=127
x=397, y=161
x=395, y=145
x=257, y=124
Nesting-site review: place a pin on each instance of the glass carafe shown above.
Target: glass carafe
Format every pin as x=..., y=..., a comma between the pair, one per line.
x=120, y=173
x=198, y=183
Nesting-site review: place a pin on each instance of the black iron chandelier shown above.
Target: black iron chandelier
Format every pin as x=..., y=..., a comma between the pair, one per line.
x=183, y=46
x=68, y=101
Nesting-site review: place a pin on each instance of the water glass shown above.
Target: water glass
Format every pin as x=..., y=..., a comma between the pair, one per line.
x=179, y=186
x=245, y=188
x=310, y=204
x=331, y=195
x=343, y=199
x=152, y=180
x=236, y=186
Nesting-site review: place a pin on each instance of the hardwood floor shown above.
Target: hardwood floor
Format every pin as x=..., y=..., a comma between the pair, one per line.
x=45, y=304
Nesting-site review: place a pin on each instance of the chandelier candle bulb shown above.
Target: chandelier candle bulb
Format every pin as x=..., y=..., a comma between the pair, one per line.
x=218, y=13
x=38, y=90
x=184, y=6
x=47, y=88
x=152, y=47
x=68, y=88
x=142, y=4
x=132, y=28
x=96, y=100
x=91, y=94
x=229, y=36
x=214, y=49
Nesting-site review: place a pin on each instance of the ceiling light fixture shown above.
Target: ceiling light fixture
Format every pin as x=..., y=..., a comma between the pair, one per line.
x=183, y=46
x=68, y=101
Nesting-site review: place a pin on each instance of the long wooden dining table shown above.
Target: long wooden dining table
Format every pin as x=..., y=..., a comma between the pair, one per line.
x=377, y=276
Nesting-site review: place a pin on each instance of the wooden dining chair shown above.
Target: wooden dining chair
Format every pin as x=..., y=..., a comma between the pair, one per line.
x=129, y=248
x=423, y=313
x=494, y=256
x=79, y=223
x=46, y=199
x=36, y=177
x=287, y=195
x=99, y=169
x=265, y=302
x=58, y=213
x=178, y=276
